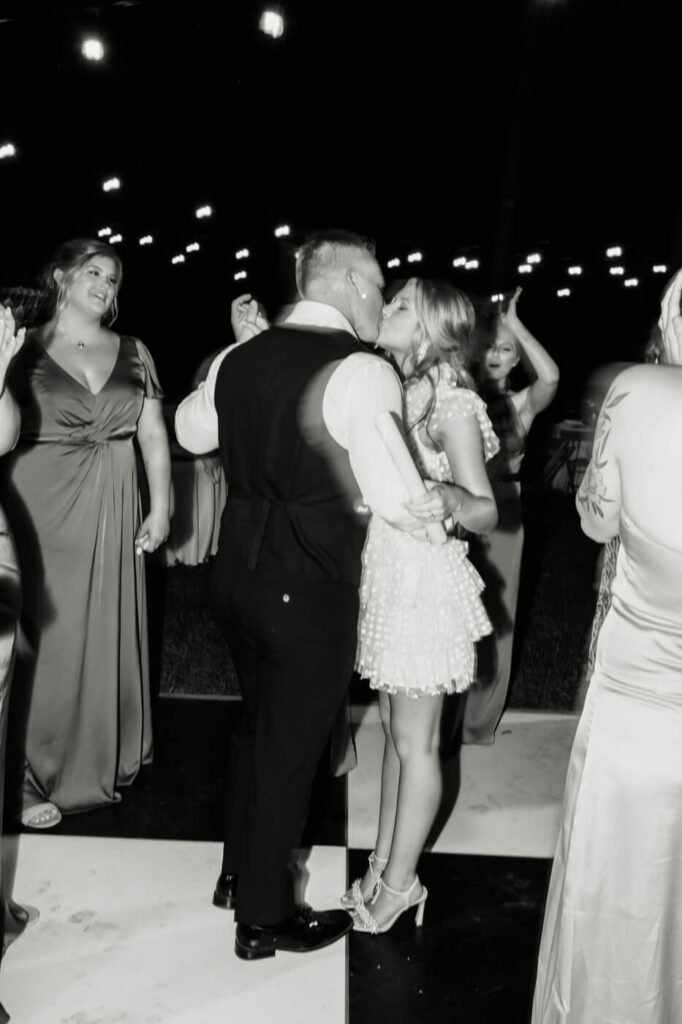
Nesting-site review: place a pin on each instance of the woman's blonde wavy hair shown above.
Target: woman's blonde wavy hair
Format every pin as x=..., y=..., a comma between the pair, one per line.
x=446, y=323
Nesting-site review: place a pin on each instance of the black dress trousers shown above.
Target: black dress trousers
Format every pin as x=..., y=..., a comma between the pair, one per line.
x=293, y=644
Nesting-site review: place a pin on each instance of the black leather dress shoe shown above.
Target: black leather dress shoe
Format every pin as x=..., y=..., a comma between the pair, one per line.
x=303, y=932
x=225, y=892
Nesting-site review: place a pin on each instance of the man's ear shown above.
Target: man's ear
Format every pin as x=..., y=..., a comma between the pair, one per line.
x=355, y=283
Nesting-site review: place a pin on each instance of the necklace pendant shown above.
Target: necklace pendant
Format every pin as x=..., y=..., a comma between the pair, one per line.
x=80, y=344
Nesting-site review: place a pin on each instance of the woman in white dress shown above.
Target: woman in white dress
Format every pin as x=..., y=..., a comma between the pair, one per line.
x=611, y=948
x=420, y=607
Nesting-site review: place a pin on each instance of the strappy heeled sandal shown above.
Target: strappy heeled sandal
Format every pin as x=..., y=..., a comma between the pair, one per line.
x=353, y=897
x=364, y=920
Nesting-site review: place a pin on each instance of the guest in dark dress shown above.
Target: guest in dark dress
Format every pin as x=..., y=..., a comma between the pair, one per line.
x=497, y=555
x=71, y=495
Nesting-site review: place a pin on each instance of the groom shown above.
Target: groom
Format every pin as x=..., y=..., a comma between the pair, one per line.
x=292, y=413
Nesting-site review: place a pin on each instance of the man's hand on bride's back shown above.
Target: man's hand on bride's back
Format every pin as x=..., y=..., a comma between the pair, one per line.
x=247, y=317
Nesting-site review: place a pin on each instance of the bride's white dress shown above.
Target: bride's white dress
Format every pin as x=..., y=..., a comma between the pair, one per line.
x=420, y=607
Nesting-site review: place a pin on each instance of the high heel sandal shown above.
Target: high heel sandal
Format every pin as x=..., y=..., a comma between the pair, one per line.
x=353, y=897
x=364, y=920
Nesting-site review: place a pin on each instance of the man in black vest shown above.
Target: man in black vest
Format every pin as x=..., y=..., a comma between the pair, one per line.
x=292, y=413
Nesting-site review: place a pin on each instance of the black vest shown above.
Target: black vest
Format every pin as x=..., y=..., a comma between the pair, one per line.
x=292, y=500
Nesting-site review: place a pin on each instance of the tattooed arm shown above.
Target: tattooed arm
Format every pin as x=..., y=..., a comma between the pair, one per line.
x=598, y=499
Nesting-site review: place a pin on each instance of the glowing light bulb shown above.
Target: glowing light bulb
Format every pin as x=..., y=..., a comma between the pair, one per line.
x=534, y=257
x=7, y=149
x=192, y=247
x=471, y=265
x=415, y=257
x=614, y=252
x=660, y=268
x=631, y=282
x=146, y=240
x=617, y=271
x=92, y=49
x=459, y=262
x=575, y=271
x=115, y=238
x=111, y=185
x=240, y=275
x=243, y=254
x=283, y=230
x=203, y=211
x=525, y=268
x=272, y=23
x=563, y=293
x=395, y=262
x=178, y=259
x=104, y=232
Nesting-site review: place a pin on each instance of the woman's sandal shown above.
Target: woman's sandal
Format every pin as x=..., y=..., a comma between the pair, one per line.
x=364, y=920
x=45, y=815
x=353, y=897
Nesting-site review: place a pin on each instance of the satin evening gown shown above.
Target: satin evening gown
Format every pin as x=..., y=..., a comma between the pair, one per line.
x=71, y=496
x=611, y=949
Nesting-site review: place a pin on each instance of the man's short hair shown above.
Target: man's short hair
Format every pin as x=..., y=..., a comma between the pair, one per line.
x=323, y=253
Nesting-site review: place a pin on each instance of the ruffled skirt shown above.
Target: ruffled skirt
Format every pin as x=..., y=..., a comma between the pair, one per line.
x=420, y=614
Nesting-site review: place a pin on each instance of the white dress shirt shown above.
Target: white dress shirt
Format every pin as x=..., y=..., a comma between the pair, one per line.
x=362, y=385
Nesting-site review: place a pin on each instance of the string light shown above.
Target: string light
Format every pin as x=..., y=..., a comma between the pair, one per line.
x=660, y=268
x=575, y=271
x=415, y=257
x=104, y=232
x=563, y=293
x=617, y=271
x=243, y=254
x=240, y=275
x=471, y=265
x=146, y=240
x=7, y=149
x=272, y=23
x=115, y=238
x=525, y=268
x=395, y=262
x=631, y=282
x=203, y=211
x=614, y=252
x=92, y=49
x=178, y=259
x=534, y=257
x=283, y=230
x=111, y=184
x=192, y=247
x=498, y=297
x=459, y=262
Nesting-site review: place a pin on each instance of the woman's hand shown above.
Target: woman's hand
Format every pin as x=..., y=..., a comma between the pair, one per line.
x=152, y=533
x=10, y=342
x=439, y=503
x=247, y=318
x=511, y=317
x=670, y=321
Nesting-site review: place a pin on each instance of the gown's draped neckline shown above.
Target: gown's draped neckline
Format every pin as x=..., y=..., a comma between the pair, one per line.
x=46, y=352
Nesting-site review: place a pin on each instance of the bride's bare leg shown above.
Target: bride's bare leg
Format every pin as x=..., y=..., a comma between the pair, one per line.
x=390, y=778
x=415, y=736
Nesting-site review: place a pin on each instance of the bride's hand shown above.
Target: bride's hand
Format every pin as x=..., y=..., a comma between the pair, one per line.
x=439, y=503
x=670, y=321
x=247, y=317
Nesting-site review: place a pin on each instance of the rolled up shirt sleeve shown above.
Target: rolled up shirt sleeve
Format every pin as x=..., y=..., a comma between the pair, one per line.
x=363, y=385
x=196, y=420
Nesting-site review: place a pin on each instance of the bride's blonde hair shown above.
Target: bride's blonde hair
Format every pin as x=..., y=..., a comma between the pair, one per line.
x=446, y=322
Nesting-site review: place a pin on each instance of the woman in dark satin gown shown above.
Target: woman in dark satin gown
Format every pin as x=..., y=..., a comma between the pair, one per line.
x=72, y=499
x=497, y=556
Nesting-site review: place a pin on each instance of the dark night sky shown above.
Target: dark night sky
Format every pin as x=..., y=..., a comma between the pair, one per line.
x=492, y=126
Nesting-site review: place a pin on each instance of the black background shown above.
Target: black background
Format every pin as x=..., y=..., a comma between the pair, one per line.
x=489, y=127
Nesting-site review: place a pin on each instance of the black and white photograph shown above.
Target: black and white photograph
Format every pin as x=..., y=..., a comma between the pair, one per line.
x=340, y=512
